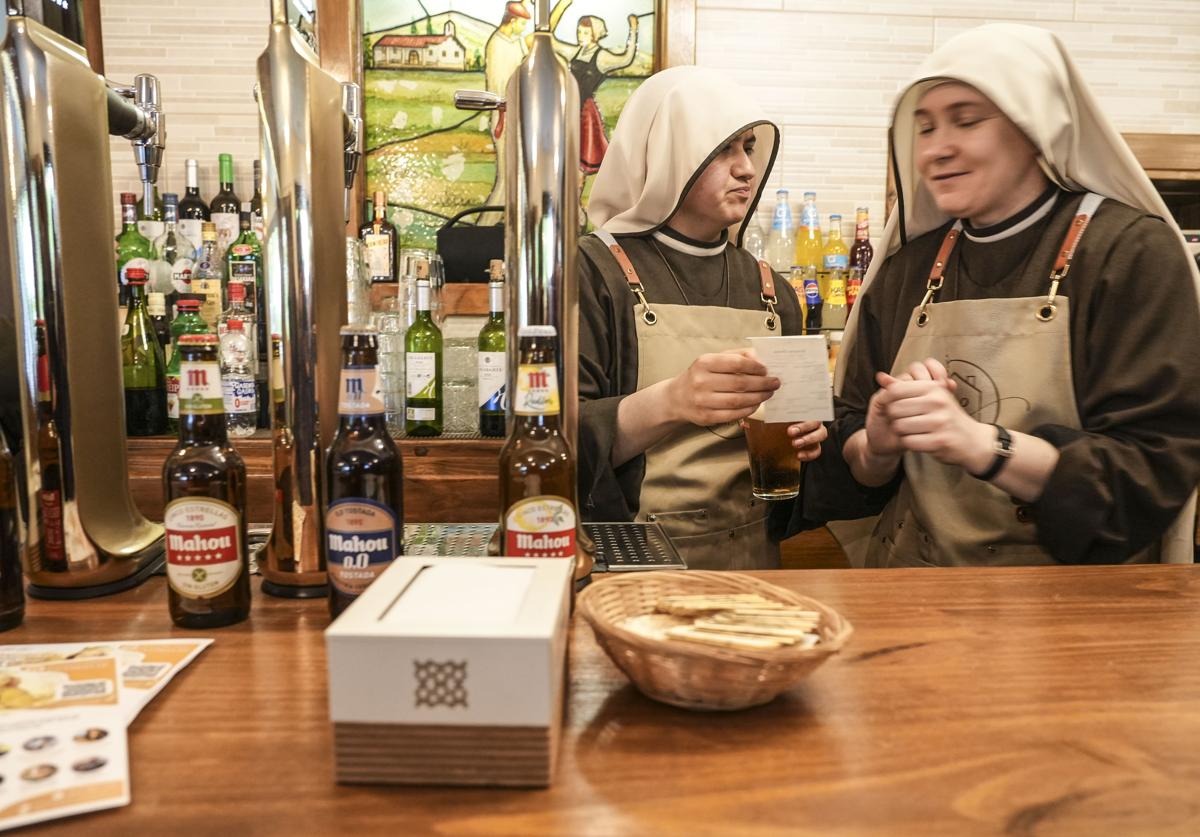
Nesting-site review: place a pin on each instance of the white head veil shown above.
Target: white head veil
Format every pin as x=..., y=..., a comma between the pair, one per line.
x=1028, y=75
x=670, y=129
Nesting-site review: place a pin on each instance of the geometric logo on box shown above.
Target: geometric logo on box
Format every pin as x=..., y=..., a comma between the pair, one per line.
x=441, y=683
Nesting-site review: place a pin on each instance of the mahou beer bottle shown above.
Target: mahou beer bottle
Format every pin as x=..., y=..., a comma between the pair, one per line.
x=364, y=513
x=204, y=483
x=537, y=469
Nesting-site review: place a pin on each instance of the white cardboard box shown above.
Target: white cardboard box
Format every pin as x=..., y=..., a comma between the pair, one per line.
x=450, y=671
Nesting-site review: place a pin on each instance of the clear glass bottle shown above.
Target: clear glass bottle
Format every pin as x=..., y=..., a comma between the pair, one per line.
x=754, y=240
x=237, y=380
x=174, y=253
x=779, y=240
x=358, y=286
x=390, y=322
x=208, y=280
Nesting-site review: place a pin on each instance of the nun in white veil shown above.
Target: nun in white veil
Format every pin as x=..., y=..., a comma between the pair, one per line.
x=1018, y=383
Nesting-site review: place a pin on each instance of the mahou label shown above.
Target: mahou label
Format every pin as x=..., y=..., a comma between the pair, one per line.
x=204, y=555
x=537, y=390
x=540, y=527
x=359, y=393
x=360, y=540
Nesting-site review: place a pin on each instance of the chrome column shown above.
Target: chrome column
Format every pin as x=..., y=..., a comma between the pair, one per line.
x=56, y=252
x=304, y=150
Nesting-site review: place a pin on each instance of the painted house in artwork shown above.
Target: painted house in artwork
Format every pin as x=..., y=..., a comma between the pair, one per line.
x=432, y=52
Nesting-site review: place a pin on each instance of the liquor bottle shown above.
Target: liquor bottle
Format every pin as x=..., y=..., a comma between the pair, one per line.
x=188, y=321
x=204, y=480
x=156, y=306
x=537, y=468
x=835, y=259
x=779, y=240
x=193, y=211
x=280, y=550
x=225, y=207
x=150, y=219
x=52, y=539
x=208, y=280
x=244, y=264
x=142, y=366
x=133, y=250
x=861, y=253
x=256, y=214
x=380, y=240
x=176, y=250
x=423, y=367
x=809, y=248
x=237, y=379
x=493, y=367
x=12, y=587
x=364, y=478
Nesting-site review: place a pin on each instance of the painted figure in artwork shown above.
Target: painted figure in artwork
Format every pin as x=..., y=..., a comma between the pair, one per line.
x=591, y=65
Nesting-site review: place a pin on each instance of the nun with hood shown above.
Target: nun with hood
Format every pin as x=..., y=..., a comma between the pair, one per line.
x=1019, y=382
x=667, y=299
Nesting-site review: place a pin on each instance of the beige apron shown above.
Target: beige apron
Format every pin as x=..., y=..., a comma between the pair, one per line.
x=1011, y=360
x=697, y=481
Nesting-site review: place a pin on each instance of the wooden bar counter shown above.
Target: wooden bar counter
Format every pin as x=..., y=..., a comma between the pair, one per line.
x=993, y=701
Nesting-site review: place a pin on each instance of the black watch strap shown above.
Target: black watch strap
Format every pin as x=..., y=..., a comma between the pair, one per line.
x=1004, y=453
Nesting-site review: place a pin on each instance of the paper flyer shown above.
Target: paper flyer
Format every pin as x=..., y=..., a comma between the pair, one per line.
x=59, y=763
x=801, y=364
x=126, y=675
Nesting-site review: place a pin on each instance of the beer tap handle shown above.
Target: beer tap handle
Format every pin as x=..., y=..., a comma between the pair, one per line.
x=134, y=113
x=478, y=100
x=352, y=107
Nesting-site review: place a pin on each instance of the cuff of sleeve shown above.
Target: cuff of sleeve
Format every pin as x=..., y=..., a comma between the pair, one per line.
x=1065, y=513
x=605, y=493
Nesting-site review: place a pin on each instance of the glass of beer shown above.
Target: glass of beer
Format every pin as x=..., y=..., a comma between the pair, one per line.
x=774, y=468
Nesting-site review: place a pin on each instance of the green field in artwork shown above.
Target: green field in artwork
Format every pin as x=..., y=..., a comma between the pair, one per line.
x=432, y=160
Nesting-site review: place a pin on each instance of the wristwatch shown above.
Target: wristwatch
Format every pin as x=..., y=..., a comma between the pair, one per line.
x=1003, y=450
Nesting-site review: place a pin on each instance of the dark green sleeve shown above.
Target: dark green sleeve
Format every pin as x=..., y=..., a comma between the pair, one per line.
x=606, y=494
x=1123, y=478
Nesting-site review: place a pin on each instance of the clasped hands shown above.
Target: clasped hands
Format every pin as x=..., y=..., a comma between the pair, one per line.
x=729, y=386
x=918, y=411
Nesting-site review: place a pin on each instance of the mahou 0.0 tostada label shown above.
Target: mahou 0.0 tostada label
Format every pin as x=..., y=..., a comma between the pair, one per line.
x=204, y=550
x=540, y=527
x=360, y=543
x=359, y=393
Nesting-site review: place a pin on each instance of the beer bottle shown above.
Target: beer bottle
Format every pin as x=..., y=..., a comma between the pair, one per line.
x=142, y=365
x=52, y=543
x=537, y=469
x=280, y=551
x=493, y=358
x=12, y=588
x=364, y=478
x=204, y=482
x=423, y=366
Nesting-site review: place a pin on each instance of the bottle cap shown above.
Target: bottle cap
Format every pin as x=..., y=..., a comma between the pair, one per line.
x=188, y=304
x=170, y=198
x=128, y=198
x=537, y=331
x=351, y=331
x=234, y=325
x=135, y=274
x=208, y=231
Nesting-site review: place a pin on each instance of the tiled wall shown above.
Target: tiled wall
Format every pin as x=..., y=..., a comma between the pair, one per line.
x=828, y=73
x=205, y=56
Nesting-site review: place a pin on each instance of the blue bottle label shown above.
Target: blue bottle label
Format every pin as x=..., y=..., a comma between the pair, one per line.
x=361, y=540
x=812, y=292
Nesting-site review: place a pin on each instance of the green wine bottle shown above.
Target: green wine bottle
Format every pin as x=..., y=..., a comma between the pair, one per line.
x=142, y=366
x=423, y=366
x=492, y=358
x=133, y=249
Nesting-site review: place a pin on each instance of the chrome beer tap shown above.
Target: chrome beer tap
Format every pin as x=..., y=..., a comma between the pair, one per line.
x=541, y=155
x=82, y=535
x=305, y=134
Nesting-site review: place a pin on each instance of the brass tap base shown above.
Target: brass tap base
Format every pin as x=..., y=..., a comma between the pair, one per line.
x=152, y=566
x=289, y=591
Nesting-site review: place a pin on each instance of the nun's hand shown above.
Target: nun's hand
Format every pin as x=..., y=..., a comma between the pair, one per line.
x=720, y=387
x=926, y=417
x=807, y=437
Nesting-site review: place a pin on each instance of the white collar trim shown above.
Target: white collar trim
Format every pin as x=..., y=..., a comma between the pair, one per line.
x=690, y=249
x=1042, y=212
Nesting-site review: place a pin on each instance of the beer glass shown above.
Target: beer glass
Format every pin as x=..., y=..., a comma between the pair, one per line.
x=774, y=468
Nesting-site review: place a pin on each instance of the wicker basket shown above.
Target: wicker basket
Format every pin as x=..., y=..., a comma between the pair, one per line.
x=697, y=676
